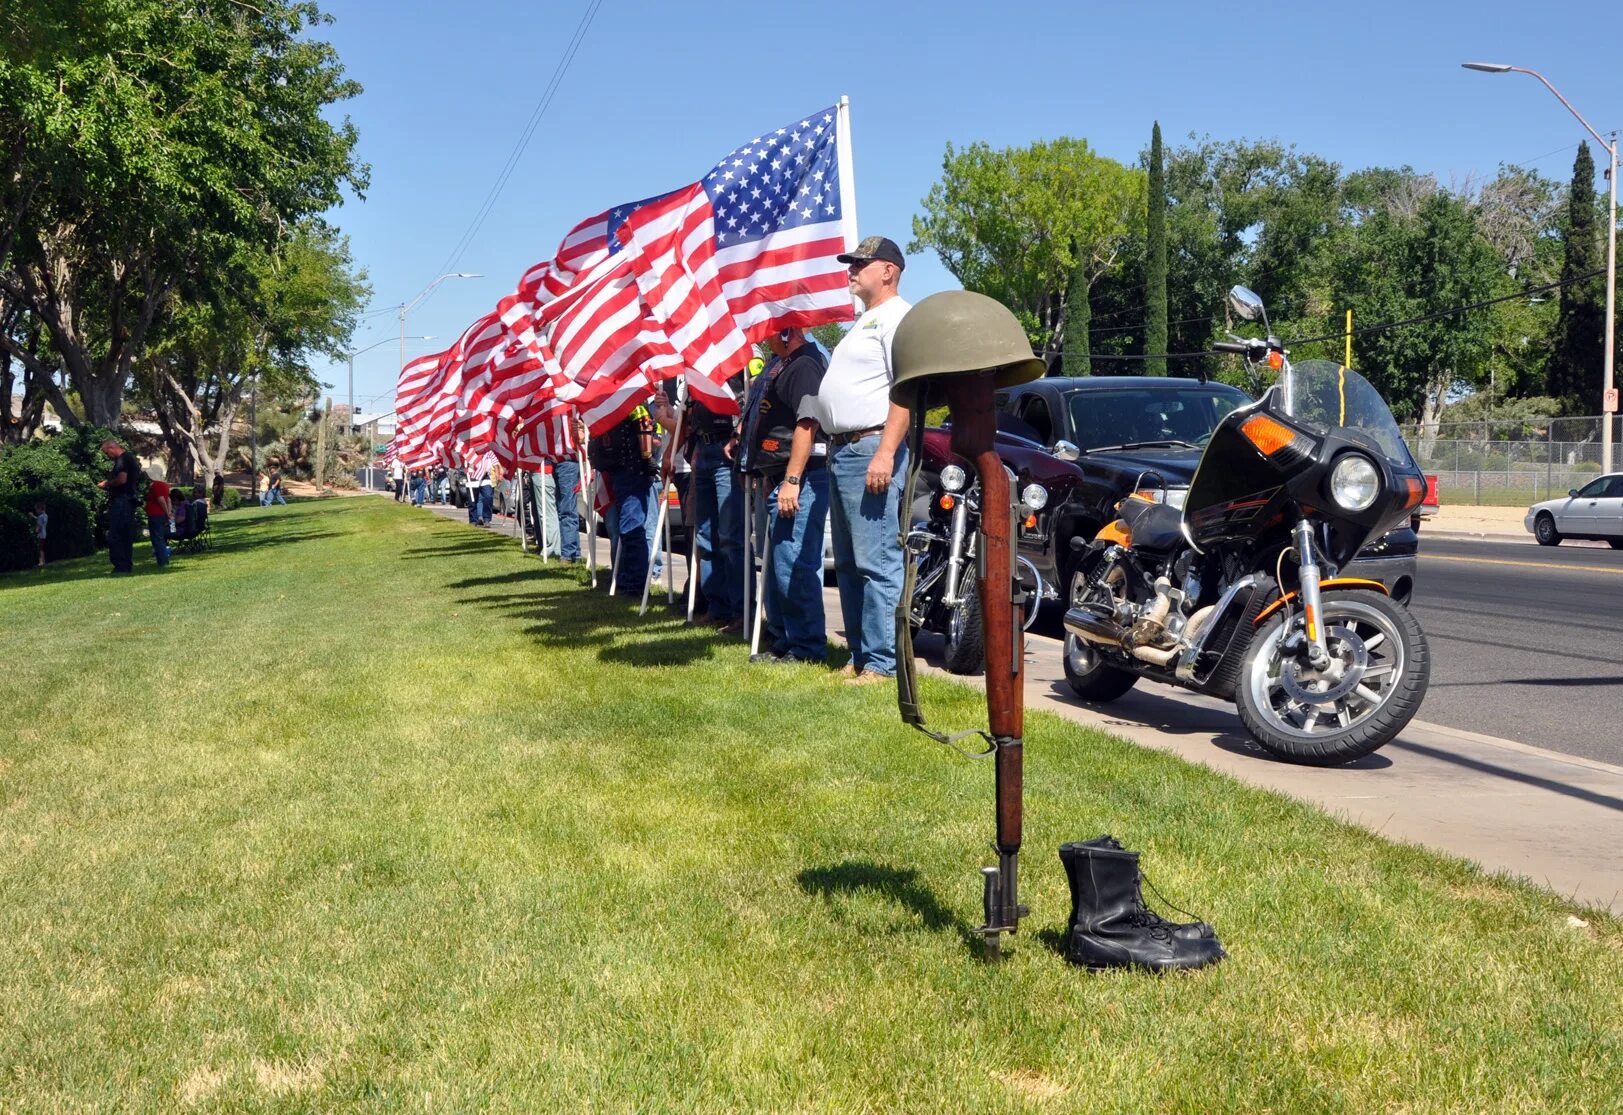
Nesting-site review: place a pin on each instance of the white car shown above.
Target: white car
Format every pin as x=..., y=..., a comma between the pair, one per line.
x=1594, y=511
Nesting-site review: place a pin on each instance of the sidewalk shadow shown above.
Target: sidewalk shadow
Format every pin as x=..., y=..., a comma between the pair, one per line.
x=1145, y=708
x=897, y=884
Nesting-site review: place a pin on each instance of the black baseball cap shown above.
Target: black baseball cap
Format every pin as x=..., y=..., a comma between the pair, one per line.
x=876, y=247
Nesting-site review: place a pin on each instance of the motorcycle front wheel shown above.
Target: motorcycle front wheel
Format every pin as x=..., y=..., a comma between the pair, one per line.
x=1379, y=667
x=966, y=638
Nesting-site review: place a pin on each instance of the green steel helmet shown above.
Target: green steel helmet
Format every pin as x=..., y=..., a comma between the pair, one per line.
x=957, y=332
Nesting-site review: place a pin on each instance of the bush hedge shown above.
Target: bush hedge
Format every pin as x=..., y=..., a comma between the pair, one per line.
x=63, y=471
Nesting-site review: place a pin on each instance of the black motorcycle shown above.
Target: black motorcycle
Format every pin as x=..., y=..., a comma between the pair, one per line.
x=1238, y=593
x=943, y=547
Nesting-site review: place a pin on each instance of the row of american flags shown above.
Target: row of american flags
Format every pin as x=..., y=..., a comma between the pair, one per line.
x=682, y=284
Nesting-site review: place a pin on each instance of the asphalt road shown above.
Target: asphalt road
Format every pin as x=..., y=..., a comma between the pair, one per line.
x=1527, y=642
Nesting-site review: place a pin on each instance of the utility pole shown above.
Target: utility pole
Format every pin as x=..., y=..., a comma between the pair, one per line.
x=321, y=446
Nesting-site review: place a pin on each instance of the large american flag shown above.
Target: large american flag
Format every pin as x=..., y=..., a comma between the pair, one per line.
x=680, y=283
x=750, y=248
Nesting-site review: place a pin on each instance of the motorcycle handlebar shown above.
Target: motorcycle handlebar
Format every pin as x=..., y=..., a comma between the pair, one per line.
x=1230, y=346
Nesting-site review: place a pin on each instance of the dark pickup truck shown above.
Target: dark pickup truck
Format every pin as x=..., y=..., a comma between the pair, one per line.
x=1092, y=440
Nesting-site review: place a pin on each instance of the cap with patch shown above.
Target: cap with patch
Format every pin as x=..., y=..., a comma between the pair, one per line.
x=876, y=247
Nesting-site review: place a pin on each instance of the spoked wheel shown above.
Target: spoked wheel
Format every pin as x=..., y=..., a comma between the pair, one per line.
x=1085, y=670
x=966, y=638
x=1372, y=687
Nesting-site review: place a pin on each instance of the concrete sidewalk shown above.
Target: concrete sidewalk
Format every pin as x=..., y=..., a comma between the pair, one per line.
x=1554, y=819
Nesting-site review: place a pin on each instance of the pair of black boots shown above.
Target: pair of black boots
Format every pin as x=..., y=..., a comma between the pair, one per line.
x=1110, y=925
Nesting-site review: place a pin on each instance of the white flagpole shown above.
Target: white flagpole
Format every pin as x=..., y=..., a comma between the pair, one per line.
x=760, y=595
x=519, y=484
x=749, y=541
x=676, y=447
x=848, y=173
x=693, y=549
x=541, y=513
x=588, y=487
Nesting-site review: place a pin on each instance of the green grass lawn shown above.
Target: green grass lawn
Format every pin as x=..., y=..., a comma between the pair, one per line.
x=365, y=809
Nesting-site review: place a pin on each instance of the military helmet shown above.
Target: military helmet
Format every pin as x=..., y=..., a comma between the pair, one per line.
x=957, y=332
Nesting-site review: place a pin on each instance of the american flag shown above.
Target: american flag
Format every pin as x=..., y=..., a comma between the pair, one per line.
x=751, y=248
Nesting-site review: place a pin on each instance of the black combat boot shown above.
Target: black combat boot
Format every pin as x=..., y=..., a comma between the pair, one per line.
x=1110, y=925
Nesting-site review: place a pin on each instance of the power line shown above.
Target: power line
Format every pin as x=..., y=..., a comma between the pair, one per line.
x=523, y=142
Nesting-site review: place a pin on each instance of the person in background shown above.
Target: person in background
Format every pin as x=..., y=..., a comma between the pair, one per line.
x=867, y=462
x=159, y=512
x=219, y=491
x=121, y=486
x=273, y=489
x=41, y=519
x=397, y=480
x=791, y=457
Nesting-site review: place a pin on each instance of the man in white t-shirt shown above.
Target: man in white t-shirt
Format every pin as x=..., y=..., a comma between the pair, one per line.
x=867, y=461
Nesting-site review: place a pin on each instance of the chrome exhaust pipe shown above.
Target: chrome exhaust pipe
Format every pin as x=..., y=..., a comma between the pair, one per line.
x=1092, y=624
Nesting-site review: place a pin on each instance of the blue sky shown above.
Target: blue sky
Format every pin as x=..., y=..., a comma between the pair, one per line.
x=659, y=91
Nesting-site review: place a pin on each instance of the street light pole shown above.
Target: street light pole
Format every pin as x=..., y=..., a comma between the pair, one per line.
x=369, y=348
x=1608, y=404
x=407, y=307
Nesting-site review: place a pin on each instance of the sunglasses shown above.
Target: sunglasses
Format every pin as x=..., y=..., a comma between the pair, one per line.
x=859, y=265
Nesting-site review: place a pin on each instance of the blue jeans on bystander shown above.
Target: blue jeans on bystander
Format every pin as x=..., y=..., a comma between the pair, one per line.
x=718, y=519
x=867, y=552
x=566, y=479
x=795, y=574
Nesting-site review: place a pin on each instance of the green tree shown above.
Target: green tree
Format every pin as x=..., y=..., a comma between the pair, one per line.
x=148, y=142
x=1405, y=260
x=286, y=305
x=1155, y=261
x=1034, y=227
x=1575, y=366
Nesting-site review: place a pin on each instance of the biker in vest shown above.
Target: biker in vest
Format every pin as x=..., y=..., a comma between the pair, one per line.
x=625, y=455
x=787, y=451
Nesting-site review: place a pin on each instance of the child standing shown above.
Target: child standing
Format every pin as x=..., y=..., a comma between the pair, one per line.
x=40, y=519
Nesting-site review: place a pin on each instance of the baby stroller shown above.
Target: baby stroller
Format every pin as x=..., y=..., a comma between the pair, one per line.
x=191, y=526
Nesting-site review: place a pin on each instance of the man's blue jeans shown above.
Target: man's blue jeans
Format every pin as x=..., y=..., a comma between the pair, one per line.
x=867, y=552
x=158, y=528
x=630, y=514
x=718, y=519
x=487, y=502
x=795, y=581
x=272, y=495
x=566, y=479
x=417, y=492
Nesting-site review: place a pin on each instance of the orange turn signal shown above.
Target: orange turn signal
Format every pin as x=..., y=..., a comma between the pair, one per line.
x=946, y=502
x=1276, y=360
x=1415, y=495
x=1266, y=434
x=1031, y=521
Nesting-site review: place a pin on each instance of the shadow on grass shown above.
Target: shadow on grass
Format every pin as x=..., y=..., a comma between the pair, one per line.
x=585, y=619
x=224, y=539
x=896, y=884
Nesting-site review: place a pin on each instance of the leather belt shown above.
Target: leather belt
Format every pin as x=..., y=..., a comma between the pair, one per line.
x=854, y=435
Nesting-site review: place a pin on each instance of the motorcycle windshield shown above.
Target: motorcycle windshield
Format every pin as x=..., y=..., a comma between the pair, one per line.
x=1330, y=397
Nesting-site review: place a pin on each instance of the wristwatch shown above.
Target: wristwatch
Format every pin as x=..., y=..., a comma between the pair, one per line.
x=795, y=480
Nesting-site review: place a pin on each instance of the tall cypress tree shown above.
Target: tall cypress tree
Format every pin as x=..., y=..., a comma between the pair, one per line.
x=1574, y=369
x=1155, y=261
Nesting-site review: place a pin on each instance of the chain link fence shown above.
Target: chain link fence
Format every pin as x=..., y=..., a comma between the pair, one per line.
x=1513, y=462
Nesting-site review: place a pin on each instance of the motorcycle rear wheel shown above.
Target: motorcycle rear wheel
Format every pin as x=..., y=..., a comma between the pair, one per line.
x=966, y=638
x=1085, y=671
x=1391, y=683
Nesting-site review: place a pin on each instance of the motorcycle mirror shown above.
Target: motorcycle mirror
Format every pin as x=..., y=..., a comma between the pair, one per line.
x=1065, y=451
x=1245, y=303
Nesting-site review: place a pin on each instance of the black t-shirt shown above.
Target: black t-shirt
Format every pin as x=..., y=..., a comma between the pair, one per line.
x=800, y=378
x=125, y=465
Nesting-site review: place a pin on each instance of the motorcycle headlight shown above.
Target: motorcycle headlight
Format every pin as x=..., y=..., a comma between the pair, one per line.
x=1355, y=482
x=1035, y=497
x=1176, y=497
x=952, y=478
